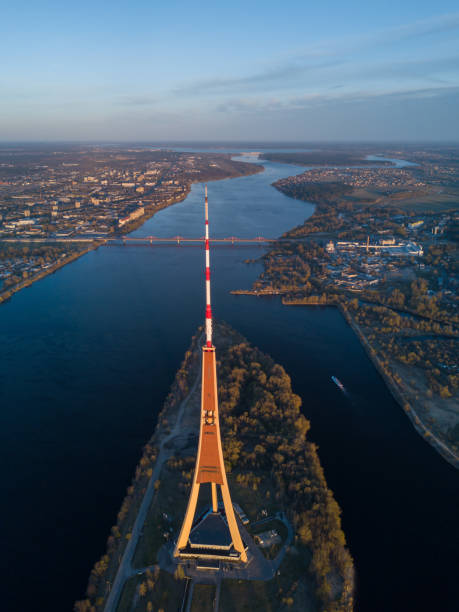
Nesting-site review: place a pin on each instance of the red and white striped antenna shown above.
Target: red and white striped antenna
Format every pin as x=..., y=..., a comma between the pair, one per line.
x=208, y=308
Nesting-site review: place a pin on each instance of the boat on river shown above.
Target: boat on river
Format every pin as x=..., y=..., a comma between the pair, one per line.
x=338, y=383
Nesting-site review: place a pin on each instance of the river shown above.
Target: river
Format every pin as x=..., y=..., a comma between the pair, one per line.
x=88, y=355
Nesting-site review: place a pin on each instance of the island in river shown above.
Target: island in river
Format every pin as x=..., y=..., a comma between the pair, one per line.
x=274, y=474
x=323, y=156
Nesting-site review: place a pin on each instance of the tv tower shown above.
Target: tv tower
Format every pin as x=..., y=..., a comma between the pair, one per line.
x=215, y=534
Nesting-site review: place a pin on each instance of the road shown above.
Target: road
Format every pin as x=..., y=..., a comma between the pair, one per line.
x=125, y=569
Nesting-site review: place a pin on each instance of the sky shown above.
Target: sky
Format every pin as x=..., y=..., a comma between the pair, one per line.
x=239, y=70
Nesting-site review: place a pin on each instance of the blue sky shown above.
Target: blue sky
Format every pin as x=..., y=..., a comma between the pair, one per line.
x=236, y=71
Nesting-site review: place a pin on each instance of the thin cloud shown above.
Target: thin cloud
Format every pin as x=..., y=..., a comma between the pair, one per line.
x=258, y=105
x=323, y=58
x=422, y=70
x=349, y=76
x=136, y=100
x=381, y=38
x=418, y=68
x=434, y=25
x=271, y=76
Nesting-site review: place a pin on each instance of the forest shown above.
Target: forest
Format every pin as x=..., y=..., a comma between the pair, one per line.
x=42, y=252
x=266, y=433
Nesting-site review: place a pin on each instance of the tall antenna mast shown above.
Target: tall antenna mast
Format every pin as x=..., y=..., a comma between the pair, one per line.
x=208, y=308
x=210, y=465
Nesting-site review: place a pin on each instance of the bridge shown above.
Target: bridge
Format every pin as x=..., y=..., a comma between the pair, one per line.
x=146, y=240
x=233, y=240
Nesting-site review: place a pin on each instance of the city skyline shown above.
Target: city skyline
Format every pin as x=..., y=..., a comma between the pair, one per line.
x=242, y=72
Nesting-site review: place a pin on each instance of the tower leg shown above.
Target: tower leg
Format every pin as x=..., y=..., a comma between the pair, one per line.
x=232, y=524
x=188, y=522
x=214, y=497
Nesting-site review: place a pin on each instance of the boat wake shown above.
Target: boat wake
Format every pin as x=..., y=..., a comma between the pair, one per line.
x=340, y=386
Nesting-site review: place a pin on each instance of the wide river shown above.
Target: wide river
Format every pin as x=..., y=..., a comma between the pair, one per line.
x=88, y=355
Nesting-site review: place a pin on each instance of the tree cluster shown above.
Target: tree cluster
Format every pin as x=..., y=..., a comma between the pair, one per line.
x=264, y=431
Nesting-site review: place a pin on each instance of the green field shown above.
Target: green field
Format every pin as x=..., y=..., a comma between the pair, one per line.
x=288, y=591
x=151, y=592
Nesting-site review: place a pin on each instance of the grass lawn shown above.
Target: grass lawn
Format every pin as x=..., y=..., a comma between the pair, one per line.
x=284, y=592
x=245, y=596
x=203, y=598
x=127, y=596
x=166, y=594
x=169, y=500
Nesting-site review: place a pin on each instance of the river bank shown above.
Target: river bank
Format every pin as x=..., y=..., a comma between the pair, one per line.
x=169, y=455
x=403, y=395
x=400, y=392
x=240, y=169
x=6, y=294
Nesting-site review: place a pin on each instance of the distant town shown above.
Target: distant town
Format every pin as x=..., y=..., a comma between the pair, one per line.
x=53, y=204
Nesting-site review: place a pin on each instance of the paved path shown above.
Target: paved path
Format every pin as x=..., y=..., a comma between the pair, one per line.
x=281, y=554
x=217, y=594
x=190, y=596
x=125, y=569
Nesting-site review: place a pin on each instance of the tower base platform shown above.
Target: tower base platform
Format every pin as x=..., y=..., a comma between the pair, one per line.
x=210, y=539
x=205, y=565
